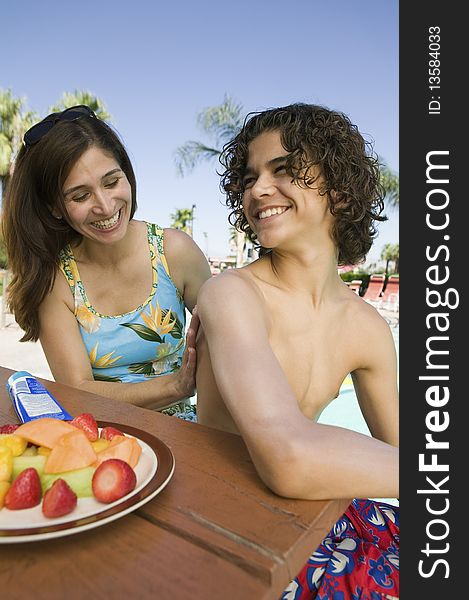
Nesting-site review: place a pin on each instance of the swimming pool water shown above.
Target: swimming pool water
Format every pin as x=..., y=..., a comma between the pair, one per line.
x=345, y=411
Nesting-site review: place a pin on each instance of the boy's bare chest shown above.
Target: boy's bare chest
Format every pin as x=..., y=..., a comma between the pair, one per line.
x=312, y=355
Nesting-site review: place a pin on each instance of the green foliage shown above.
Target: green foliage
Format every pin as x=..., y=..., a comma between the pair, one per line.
x=3, y=254
x=220, y=123
x=6, y=151
x=3, y=261
x=351, y=275
x=390, y=182
x=77, y=97
x=358, y=274
x=14, y=121
x=390, y=253
x=190, y=154
x=182, y=219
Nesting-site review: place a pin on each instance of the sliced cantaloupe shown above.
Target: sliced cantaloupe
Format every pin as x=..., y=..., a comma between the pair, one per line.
x=125, y=448
x=72, y=451
x=136, y=448
x=45, y=431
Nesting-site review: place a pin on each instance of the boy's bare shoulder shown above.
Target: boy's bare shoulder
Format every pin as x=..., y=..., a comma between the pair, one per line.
x=365, y=315
x=231, y=288
x=230, y=280
x=369, y=330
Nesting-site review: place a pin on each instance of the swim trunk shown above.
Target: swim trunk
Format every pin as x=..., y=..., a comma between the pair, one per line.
x=182, y=410
x=357, y=560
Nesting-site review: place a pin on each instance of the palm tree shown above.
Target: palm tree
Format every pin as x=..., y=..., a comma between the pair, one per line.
x=390, y=252
x=183, y=219
x=14, y=121
x=220, y=123
x=82, y=97
x=390, y=182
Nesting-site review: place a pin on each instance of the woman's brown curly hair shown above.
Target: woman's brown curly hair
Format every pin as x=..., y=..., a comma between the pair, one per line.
x=315, y=136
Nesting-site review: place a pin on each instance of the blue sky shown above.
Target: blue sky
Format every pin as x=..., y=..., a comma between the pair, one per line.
x=156, y=65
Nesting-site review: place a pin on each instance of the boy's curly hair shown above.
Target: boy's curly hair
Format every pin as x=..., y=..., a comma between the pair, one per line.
x=315, y=137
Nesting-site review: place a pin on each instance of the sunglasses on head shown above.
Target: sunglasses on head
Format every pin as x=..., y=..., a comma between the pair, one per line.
x=38, y=131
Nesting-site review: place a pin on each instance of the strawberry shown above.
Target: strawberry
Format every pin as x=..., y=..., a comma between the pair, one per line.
x=25, y=491
x=10, y=428
x=59, y=499
x=87, y=423
x=112, y=480
x=108, y=433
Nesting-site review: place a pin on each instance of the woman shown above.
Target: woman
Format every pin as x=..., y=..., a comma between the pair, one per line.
x=279, y=336
x=104, y=293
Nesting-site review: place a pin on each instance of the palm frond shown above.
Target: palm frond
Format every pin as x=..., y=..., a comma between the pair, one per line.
x=5, y=155
x=191, y=154
x=222, y=122
x=14, y=121
x=390, y=181
x=82, y=97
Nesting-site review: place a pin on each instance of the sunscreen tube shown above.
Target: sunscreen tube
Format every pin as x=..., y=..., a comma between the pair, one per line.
x=32, y=400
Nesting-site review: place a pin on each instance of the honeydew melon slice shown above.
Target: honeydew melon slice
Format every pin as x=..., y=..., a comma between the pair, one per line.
x=79, y=481
x=20, y=463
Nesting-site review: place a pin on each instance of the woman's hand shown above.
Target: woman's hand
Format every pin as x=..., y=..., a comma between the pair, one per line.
x=184, y=379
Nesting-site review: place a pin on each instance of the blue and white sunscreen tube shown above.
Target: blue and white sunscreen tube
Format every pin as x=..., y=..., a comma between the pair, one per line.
x=32, y=400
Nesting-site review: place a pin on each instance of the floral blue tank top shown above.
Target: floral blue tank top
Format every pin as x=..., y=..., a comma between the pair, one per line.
x=145, y=342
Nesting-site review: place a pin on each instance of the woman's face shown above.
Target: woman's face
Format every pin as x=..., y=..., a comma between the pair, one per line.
x=98, y=197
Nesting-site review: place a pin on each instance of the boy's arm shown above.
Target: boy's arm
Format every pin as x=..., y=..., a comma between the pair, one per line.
x=376, y=384
x=294, y=456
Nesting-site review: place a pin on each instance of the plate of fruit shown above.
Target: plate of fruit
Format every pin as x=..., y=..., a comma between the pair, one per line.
x=58, y=477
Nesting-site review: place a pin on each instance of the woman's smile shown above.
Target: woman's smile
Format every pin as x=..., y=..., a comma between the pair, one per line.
x=107, y=224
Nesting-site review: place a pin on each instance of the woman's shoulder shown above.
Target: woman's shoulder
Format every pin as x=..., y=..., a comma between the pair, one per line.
x=186, y=261
x=59, y=293
x=175, y=239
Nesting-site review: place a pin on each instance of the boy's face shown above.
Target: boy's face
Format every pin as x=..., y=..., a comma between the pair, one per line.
x=277, y=209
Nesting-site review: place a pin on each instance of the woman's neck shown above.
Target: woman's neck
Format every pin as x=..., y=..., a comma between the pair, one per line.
x=91, y=251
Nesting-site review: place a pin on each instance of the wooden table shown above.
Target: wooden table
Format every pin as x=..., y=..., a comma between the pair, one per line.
x=215, y=531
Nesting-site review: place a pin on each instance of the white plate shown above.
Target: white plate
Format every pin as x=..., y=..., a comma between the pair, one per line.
x=154, y=470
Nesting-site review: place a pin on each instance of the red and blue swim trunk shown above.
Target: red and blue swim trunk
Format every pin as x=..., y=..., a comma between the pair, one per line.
x=357, y=560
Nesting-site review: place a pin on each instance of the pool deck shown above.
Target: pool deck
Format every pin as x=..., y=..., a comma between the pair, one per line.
x=21, y=356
